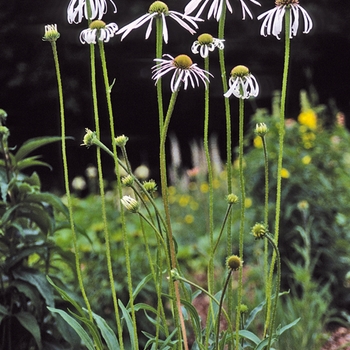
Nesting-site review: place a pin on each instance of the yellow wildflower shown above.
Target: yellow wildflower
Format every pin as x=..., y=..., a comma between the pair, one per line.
x=308, y=118
x=285, y=173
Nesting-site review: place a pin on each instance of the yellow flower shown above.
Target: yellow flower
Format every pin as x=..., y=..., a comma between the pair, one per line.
x=204, y=187
x=258, y=142
x=306, y=160
x=248, y=202
x=189, y=219
x=285, y=173
x=184, y=200
x=308, y=118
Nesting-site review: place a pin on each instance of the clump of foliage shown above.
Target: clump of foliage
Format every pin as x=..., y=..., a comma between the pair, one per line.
x=315, y=195
x=27, y=250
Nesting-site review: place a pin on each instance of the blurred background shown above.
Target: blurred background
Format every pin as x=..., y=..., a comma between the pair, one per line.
x=28, y=93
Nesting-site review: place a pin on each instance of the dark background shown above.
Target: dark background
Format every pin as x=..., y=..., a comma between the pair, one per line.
x=28, y=90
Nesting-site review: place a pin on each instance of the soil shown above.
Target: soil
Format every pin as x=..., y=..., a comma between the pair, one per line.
x=338, y=340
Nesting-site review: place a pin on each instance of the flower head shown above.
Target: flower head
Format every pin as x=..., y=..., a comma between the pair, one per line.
x=98, y=30
x=184, y=70
x=234, y=262
x=160, y=9
x=51, y=33
x=206, y=43
x=130, y=204
x=242, y=83
x=215, y=9
x=272, y=24
x=77, y=9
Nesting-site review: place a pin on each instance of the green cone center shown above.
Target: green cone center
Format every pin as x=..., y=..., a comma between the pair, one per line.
x=183, y=62
x=158, y=7
x=205, y=39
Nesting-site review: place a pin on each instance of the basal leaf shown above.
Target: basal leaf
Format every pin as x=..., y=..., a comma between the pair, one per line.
x=76, y=326
x=29, y=322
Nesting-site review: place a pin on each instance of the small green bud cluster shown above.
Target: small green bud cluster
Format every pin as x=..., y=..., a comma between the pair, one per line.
x=259, y=230
x=89, y=138
x=232, y=198
x=234, y=262
x=121, y=140
x=261, y=129
x=128, y=180
x=150, y=186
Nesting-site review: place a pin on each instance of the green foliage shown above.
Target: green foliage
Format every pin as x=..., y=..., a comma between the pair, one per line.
x=315, y=199
x=27, y=223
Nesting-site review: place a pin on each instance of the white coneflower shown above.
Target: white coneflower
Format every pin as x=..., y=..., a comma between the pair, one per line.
x=273, y=22
x=205, y=44
x=216, y=6
x=184, y=71
x=160, y=9
x=98, y=30
x=77, y=9
x=242, y=83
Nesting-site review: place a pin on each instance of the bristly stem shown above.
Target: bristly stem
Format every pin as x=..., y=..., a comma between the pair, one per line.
x=271, y=324
x=107, y=237
x=220, y=308
x=159, y=52
x=281, y=141
x=221, y=35
x=242, y=218
x=66, y=178
x=165, y=197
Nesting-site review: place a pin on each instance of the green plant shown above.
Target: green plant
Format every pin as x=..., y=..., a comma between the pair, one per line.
x=27, y=225
x=315, y=177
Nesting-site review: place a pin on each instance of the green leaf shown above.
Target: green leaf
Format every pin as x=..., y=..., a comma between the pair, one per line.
x=250, y=336
x=31, y=161
x=76, y=326
x=14, y=259
x=32, y=211
x=289, y=325
x=195, y=317
x=107, y=332
x=139, y=287
x=29, y=291
x=129, y=324
x=38, y=280
x=66, y=297
x=46, y=197
x=29, y=322
x=32, y=144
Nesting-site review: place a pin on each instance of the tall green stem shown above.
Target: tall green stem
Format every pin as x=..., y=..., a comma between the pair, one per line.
x=165, y=196
x=242, y=218
x=220, y=308
x=221, y=35
x=66, y=178
x=107, y=237
x=159, y=52
x=210, y=182
x=281, y=140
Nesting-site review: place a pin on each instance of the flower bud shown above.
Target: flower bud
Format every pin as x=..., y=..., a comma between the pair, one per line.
x=121, y=140
x=130, y=204
x=51, y=33
x=261, y=129
x=232, y=198
x=89, y=138
x=150, y=186
x=259, y=230
x=127, y=180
